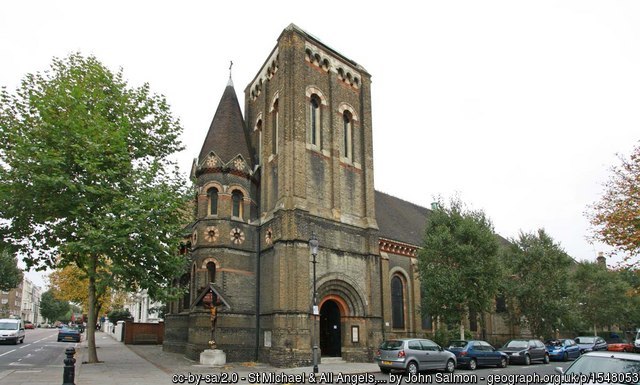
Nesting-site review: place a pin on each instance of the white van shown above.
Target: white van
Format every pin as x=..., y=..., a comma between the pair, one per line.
x=11, y=330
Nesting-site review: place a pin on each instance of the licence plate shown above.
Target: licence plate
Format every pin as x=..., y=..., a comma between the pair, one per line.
x=386, y=362
x=69, y=338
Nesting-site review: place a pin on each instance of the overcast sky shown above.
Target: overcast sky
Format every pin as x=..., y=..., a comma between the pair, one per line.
x=518, y=106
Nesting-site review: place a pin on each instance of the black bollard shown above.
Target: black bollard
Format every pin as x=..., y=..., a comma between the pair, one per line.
x=69, y=374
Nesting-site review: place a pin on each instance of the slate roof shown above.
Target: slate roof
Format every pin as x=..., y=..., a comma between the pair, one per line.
x=400, y=220
x=227, y=136
x=403, y=221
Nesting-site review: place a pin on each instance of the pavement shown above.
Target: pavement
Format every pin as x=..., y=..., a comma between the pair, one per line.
x=148, y=364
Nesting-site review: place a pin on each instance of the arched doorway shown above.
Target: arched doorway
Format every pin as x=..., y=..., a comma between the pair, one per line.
x=330, y=337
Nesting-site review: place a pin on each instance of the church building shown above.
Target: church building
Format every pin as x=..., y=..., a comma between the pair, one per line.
x=298, y=166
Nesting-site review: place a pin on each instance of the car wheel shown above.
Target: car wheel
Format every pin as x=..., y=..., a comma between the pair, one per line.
x=546, y=359
x=412, y=368
x=451, y=366
x=473, y=365
x=527, y=359
x=503, y=363
x=385, y=370
x=565, y=357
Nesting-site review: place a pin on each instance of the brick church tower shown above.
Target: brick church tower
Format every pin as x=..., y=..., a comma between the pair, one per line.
x=299, y=164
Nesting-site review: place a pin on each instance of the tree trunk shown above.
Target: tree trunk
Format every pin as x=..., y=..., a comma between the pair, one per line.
x=595, y=330
x=462, y=329
x=91, y=326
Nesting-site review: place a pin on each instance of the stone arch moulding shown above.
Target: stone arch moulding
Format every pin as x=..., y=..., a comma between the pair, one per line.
x=258, y=119
x=403, y=275
x=245, y=193
x=347, y=107
x=334, y=286
x=342, y=305
x=276, y=96
x=203, y=265
x=209, y=184
x=315, y=90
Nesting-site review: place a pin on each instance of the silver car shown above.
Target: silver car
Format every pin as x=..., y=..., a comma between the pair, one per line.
x=603, y=368
x=413, y=355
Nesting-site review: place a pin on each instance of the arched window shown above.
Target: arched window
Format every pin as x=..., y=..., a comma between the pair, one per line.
x=211, y=271
x=259, y=129
x=397, y=303
x=212, y=195
x=315, y=121
x=347, y=120
x=275, y=114
x=236, y=198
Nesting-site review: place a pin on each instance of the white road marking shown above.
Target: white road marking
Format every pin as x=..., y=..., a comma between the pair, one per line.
x=5, y=353
x=24, y=346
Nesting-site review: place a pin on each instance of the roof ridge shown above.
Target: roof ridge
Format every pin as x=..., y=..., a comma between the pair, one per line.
x=404, y=200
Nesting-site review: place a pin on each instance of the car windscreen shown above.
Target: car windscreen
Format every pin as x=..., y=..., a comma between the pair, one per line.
x=585, y=340
x=457, y=344
x=391, y=345
x=517, y=344
x=8, y=326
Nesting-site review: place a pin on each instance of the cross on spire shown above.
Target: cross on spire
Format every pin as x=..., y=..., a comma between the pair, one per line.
x=230, y=83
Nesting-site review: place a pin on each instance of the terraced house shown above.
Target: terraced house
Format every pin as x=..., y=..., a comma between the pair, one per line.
x=298, y=164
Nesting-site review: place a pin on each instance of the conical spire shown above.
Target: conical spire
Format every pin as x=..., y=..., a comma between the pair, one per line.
x=226, y=136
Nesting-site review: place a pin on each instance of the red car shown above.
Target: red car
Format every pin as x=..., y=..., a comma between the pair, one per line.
x=619, y=345
x=29, y=325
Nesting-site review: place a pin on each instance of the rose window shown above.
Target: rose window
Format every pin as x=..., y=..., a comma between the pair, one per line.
x=212, y=234
x=212, y=161
x=237, y=236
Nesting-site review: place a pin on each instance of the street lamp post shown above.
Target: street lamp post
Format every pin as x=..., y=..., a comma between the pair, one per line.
x=313, y=245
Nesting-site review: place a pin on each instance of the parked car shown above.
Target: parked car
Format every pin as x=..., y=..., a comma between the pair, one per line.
x=413, y=355
x=562, y=349
x=29, y=325
x=624, y=366
x=69, y=333
x=591, y=343
x=474, y=353
x=12, y=330
x=526, y=351
x=619, y=345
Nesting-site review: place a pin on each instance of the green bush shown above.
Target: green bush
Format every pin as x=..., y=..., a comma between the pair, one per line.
x=116, y=315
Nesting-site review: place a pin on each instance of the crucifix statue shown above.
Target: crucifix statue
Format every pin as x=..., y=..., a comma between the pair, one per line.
x=212, y=302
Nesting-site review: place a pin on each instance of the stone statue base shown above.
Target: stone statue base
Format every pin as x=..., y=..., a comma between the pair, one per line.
x=213, y=357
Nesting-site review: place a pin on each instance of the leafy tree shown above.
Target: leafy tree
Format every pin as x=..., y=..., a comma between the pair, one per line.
x=72, y=284
x=10, y=274
x=615, y=217
x=458, y=263
x=602, y=295
x=52, y=308
x=86, y=178
x=538, y=286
